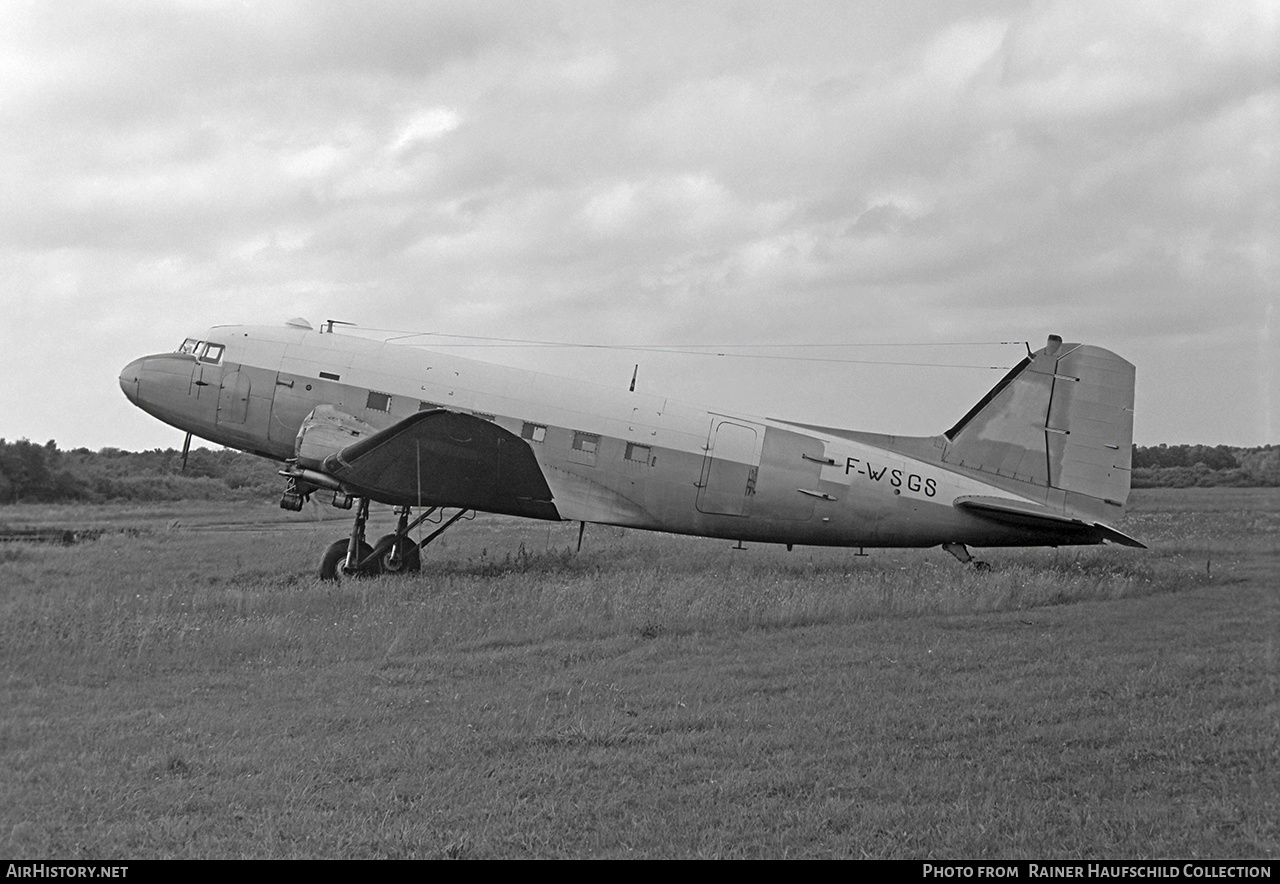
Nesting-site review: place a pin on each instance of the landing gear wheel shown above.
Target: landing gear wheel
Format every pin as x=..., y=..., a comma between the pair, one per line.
x=333, y=565
x=408, y=558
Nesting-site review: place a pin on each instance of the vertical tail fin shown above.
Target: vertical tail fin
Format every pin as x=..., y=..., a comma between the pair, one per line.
x=1061, y=419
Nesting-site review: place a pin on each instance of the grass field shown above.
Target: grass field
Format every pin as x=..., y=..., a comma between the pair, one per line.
x=183, y=686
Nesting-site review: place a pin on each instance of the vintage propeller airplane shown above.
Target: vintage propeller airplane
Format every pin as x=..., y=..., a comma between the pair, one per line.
x=1042, y=460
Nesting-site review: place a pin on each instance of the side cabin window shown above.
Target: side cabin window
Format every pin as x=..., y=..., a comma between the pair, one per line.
x=638, y=453
x=378, y=401
x=584, y=448
x=210, y=352
x=423, y=405
x=533, y=432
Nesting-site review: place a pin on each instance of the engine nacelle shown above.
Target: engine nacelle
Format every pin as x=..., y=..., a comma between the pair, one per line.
x=325, y=431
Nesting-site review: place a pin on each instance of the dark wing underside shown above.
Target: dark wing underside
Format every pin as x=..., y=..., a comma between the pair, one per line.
x=442, y=458
x=1025, y=514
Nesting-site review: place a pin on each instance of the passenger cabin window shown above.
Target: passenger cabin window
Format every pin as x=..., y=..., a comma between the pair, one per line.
x=484, y=416
x=638, y=453
x=378, y=401
x=584, y=447
x=533, y=432
x=428, y=406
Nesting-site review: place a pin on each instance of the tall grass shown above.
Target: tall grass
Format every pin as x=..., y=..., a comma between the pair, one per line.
x=220, y=598
x=189, y=692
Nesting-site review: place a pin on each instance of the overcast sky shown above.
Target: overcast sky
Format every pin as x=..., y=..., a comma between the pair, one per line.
x=857, y=171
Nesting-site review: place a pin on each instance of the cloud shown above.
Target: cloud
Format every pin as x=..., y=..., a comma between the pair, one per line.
x=668, y=170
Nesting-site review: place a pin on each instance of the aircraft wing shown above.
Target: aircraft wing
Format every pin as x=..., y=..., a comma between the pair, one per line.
x=443, y=458
x=1026, y=514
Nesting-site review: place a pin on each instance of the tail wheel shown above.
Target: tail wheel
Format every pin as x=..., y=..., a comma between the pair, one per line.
x=333, y=565
x=407, y=557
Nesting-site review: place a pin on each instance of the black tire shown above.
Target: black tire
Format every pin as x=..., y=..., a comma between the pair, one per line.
x=410, y=559
x=335, y=557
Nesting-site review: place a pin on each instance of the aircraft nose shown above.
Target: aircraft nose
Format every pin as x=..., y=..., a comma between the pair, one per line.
x=129, y=377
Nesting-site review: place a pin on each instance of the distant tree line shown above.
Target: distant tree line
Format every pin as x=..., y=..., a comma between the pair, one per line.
x=32, y=473
x=1186, y=466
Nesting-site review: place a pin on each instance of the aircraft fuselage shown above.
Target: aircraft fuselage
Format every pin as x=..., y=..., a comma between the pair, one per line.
x=608, y=456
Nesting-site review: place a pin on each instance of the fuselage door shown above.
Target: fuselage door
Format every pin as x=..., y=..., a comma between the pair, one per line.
x=202, y=394
x=198, y=382
x=233, y=401
x=790, y=475
x=729, y=469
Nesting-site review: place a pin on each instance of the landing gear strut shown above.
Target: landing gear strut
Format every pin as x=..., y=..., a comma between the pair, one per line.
x=395, y=553
x=961, y=552
x=352, y=557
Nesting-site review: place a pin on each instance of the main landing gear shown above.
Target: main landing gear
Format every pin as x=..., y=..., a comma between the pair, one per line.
x=961, y=552
x=395, y=553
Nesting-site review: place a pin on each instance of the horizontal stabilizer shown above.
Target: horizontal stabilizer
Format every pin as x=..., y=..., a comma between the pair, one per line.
x=1026, y=514
x=443, y=458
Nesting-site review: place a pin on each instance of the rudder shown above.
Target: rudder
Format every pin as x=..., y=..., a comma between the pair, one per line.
x=1061, y=419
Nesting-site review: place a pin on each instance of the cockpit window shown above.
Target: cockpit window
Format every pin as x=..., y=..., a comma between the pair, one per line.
x=205, y=351
x=210, y=352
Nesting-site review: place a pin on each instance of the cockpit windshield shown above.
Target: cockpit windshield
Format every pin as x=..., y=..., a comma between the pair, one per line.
x=205, y=351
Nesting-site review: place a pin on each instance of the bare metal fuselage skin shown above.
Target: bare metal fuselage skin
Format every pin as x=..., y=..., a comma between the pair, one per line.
x=608, y=456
